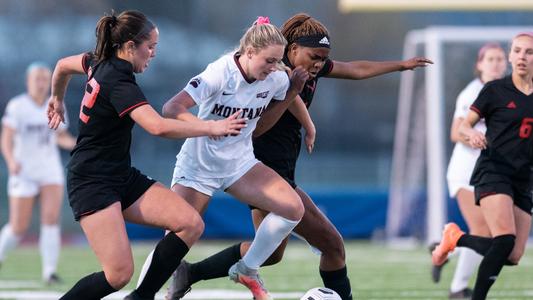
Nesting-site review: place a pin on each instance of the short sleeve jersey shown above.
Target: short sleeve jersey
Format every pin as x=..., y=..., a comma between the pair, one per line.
x=283, y=140
x=219, y=91
x=34, y=144
x=464, y=158
x=508, y=114
x=111, y=93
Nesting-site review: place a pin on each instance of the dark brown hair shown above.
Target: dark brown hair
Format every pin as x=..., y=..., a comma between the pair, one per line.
x=301, y=25
x=113, y=31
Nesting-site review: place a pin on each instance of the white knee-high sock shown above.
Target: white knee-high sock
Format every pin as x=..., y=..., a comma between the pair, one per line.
x=50, y=245
x=467, y=264
x=8, y=241
x=268, y=237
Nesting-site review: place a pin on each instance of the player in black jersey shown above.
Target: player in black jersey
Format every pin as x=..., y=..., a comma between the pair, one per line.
x=277, y=144
x=502, y=173
x=104, y=189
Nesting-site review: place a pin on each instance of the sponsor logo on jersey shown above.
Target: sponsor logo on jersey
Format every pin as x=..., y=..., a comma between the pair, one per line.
x=247, y=112
x=262, y=95
x=511, y=105
x=324, y=41
x=195, y=82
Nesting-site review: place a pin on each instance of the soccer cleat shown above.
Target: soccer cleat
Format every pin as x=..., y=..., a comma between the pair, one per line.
x=436, y=270
x=462, y=294
x=240, y=273
x=179, y=282
x=133, y=296
x=53, y=279
x=450, y=236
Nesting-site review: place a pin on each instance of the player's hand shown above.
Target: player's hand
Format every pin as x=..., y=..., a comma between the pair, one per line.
x=55, y=113
x=477, y=140
x=13, y=167
x=232, y=125
x=310, y=136
x=415, y=62
x=298, y=77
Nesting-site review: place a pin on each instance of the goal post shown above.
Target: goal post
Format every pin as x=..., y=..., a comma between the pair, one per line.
x=417, y=195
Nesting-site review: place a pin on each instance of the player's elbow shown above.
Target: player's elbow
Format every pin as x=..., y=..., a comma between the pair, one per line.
x=157, y=128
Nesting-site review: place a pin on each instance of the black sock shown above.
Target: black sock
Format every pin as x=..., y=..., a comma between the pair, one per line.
x=166, y=258
x=90, y=287
x=338, y=281
x=216, y=265
x=492, y=264
x=479, y=244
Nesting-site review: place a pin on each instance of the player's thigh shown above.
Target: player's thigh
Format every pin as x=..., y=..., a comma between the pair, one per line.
x=316, y=228
x=199, y=201
x=163, y=208
x=51, y=198
x=263, y=188
x=498, y=210
x=472, y=213
x=106, y=233
x=20, y=211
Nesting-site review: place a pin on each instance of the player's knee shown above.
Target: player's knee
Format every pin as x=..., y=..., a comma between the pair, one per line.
x=119, y=276
x=296, y=210
x=333, y=246
x=193, y=227
x=515, y=257
x=504, y=245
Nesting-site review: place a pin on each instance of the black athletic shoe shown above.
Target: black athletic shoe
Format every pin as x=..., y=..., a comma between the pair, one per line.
x=435, y=270
x=179, y=282
x=53, y=280
x=462, y=294
x=133, y=296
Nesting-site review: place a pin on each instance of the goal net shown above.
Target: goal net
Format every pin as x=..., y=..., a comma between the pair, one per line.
x=418, y=194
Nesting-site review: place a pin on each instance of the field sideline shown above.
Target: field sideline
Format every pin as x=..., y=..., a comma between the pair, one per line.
x=376, y=272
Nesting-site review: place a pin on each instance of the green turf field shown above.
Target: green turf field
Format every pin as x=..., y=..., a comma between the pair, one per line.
x=376, y=272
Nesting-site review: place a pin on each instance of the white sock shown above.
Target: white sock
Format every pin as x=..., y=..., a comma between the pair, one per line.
x=268, y=237
x=466, y=266
x=50, y=245
x=8, y=241
x=145, y=267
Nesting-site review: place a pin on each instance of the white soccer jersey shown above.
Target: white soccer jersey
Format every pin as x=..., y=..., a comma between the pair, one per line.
x=220, y=90
x=35, y=146
x=463, y=157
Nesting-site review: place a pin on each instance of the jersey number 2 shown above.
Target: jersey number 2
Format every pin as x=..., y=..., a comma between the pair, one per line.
x=91, y=91
x=526, y=127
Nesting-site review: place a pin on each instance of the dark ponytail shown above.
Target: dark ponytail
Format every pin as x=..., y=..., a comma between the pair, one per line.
x=113, y=31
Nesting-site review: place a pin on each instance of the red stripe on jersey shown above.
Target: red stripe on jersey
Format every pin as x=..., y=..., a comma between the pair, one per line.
x=127, y=110
x=472, y=107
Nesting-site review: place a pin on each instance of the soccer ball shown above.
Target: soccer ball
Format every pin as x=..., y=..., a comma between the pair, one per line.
x=321, y=293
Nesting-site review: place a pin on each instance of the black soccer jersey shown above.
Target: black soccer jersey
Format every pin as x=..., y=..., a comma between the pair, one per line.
x=509, y=117
x=283, y=140
x=103, y=145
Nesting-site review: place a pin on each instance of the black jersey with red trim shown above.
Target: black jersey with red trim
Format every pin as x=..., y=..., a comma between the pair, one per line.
x=508, y=114
x=283, y=140
x=103, y=145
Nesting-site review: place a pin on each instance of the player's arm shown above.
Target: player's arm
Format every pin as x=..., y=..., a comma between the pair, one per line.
x=474, y=138
x=362, y=69
x=178, y=107
x=7, y=139
x=301, y=113
x=152, y=122
x=65, y=140
x=275, y=109
x=65, y=68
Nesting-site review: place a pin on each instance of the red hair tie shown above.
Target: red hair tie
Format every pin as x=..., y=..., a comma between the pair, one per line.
x=262, y=20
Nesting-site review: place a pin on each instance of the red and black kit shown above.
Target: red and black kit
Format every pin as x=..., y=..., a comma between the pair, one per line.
x=100, y=171
x=504, y=166
x=280, y=146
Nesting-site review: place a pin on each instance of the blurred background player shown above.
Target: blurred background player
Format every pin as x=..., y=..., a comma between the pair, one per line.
x=104, y=189
x=247, y=79
x=501, y=177
x=31, y=152
x=490, y=65
x=279, y=146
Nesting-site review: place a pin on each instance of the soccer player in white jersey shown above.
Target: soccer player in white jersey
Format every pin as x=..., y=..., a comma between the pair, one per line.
x=490, y=65
x=30, y=150
x=248, y=80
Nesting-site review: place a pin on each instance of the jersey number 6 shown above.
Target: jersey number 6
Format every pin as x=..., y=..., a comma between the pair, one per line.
x=526, y=127
x=91, y=91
